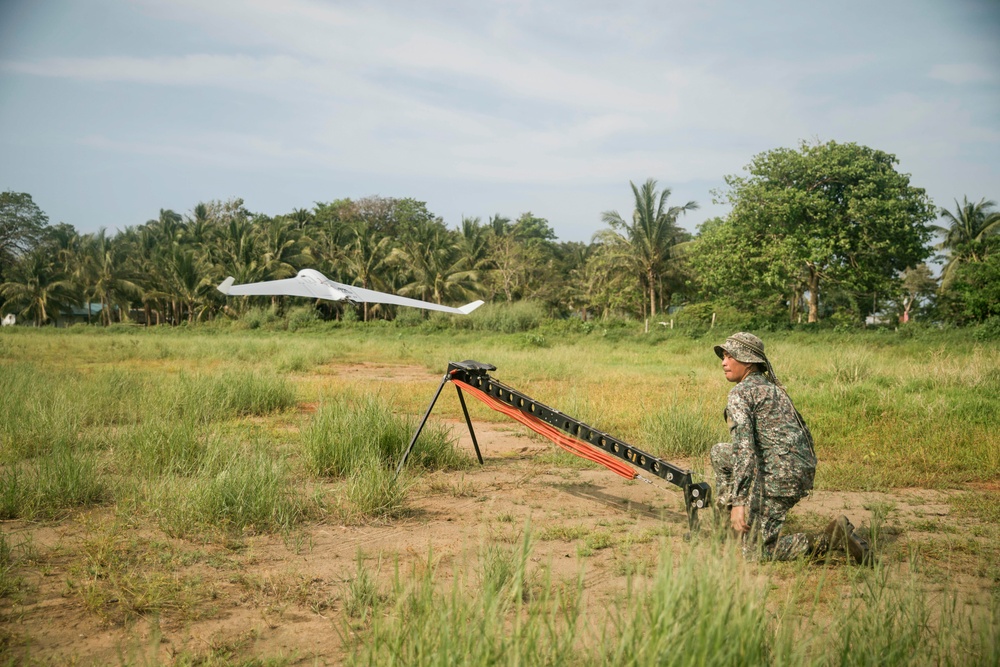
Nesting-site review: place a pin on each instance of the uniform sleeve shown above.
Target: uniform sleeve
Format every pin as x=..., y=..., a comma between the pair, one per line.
x=741, y=430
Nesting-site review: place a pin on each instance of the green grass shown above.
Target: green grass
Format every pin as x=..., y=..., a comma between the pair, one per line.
x=195, y=431
x=238, y=489
x=348, y=432
x=120, y=576
x=702, y=607
x=362, y=595
x=374, y=490
x=51, y=484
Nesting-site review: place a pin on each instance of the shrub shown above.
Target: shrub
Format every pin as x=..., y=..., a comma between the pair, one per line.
x=302, y=317
x=505, y=317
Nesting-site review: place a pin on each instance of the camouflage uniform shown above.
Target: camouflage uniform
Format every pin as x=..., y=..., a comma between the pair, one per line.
x=770, y=464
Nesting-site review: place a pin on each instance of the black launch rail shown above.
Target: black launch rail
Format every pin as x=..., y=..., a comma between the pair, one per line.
x=476, y=374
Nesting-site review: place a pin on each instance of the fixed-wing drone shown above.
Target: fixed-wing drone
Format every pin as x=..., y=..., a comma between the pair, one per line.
x=314, y=285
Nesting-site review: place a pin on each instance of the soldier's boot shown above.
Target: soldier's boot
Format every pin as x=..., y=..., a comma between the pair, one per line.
x=839, y=534
x=819, y=545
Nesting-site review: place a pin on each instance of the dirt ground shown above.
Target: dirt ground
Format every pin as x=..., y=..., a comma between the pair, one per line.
x=283, y=595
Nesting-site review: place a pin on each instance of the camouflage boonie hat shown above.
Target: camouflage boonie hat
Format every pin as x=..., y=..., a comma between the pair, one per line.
x=743, y=347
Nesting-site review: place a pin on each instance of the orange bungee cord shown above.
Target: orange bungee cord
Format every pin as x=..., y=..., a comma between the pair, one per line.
x=571, y=445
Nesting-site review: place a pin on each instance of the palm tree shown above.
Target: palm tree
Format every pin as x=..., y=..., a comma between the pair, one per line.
x=108, y=277
x=189, y=279
x=365, y=255
x=474, y=244
x=650, y=236
x=38, y=287
x=964, y=233
x=435, y=266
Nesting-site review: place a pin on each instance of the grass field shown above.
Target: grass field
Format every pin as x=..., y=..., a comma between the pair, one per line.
x=165, y=477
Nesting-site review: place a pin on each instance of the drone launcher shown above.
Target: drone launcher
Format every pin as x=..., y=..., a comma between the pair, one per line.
x=571, y=434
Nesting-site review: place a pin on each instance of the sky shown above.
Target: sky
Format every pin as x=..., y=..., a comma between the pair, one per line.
x=111, y=110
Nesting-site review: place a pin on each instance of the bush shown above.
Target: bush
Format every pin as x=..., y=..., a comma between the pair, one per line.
x=302, y=317
x=257, y=318
x=988, y=330
x=505, y=317
x=409, y=317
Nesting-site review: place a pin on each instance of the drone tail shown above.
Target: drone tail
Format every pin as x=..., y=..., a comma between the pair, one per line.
x=469, y=307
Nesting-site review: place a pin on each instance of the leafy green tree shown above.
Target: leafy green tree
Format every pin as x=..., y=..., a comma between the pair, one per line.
x=474, y=246
x=965, y=234
x=147, y=251
x=650, y=237
x=21, y=226
x=974, y=293
x=825, y=214
x=329, y=234
x=730, y=263
x=917, y=284
x=604, y=286
x=189, y=281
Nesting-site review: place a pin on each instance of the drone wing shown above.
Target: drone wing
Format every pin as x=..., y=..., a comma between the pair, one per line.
x=287, y=287
x=360, y=294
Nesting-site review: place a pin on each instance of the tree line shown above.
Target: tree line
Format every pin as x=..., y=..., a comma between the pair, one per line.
x=822, y=232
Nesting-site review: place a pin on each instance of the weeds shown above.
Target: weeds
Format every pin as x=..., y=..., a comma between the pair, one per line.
x=375, y=491
x=362, y=596
x=121, y=576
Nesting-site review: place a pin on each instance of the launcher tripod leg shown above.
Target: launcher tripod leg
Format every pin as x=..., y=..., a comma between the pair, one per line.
x=465, y=411
x=423, y=421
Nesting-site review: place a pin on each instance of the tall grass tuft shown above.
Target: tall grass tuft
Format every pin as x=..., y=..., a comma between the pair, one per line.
x=11, y=559
x=162, y=445
x=374, y=490
x=502, y=566
x=362, y=595
x=470, y=625
x=51, y=484
x=892, y=620
x=237, y=490
x=251, y=491
x=232, y=394
x=680, y=430
x=37, y=410
x=700, y=610
x=343, y=436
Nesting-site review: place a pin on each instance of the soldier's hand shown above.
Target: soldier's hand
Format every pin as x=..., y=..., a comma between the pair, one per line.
x=737, y=518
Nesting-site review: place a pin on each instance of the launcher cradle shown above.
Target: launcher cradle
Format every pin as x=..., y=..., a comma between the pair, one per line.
x=476, y=375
